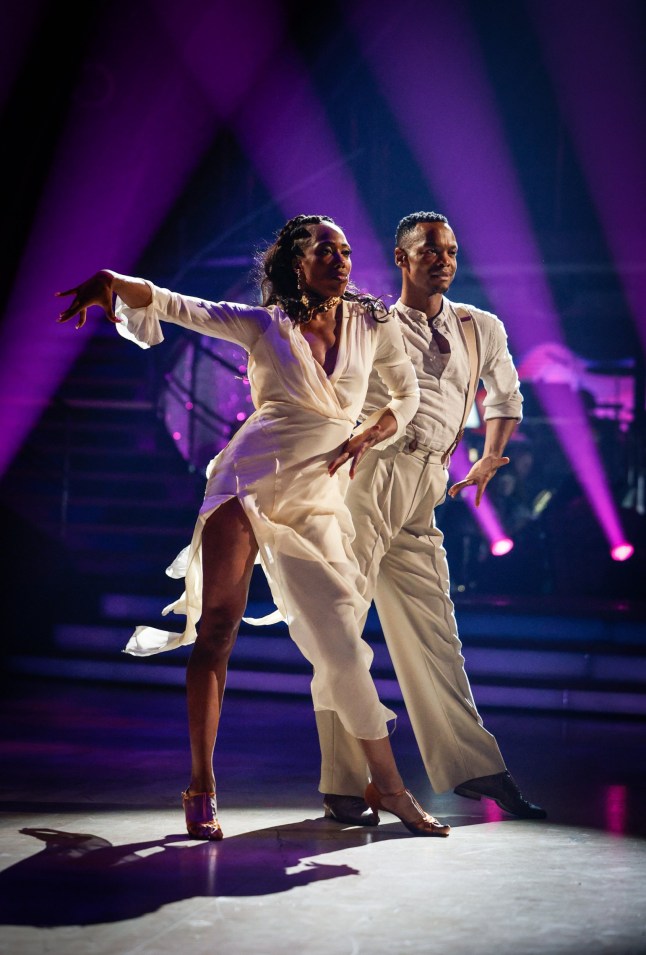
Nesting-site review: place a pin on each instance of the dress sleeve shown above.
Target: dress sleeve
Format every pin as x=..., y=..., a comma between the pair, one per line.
x=395, y=368
x=241, y=324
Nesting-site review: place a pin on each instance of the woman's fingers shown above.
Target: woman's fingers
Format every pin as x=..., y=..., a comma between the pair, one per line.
x=350, y=453
x=357, y=458
x=94, y=291
x=341, y=459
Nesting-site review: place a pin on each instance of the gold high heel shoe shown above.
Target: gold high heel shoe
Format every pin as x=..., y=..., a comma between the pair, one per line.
x=201, y=813
x=425, y=826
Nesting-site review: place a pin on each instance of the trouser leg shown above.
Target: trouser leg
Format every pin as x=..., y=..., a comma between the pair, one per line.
x=370, y=495
x=344, y=770
x=401, y=553
x=418, y=621
x=323, y=604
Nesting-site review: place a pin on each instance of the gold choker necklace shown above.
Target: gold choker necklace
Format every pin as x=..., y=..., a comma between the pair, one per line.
x=313, y=310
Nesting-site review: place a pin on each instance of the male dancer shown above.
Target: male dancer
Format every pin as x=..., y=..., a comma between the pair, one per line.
x=392, y=500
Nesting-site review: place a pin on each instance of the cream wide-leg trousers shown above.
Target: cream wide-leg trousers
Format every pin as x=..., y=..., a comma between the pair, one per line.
x=400, y=551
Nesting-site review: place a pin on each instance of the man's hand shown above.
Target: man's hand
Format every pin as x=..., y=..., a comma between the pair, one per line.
x=480, y=475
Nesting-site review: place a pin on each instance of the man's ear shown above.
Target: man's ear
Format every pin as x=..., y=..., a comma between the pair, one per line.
x=401, y=258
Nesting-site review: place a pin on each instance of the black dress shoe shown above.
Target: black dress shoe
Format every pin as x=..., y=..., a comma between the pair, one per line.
x=352, y=810
x=502, y=788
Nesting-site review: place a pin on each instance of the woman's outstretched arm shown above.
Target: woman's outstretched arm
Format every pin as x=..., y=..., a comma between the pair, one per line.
x=100, y=290
x=137, y=306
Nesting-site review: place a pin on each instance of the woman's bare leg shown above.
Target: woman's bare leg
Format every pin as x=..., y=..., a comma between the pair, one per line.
x=383, y=768
x=386, y=777
x=228, y=552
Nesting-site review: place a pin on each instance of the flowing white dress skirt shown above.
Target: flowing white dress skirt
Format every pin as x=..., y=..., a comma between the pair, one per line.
x=276, y=466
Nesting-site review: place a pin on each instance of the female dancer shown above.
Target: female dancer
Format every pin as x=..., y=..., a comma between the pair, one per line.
x=274, y=489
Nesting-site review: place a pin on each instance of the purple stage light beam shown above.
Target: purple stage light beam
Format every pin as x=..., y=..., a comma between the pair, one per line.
x=298, y=157
x=564, y=408
x=128, y=149
x=456, y=135
x=283, y=129
x=459, y=143
x=596, y=60
x=485, y=513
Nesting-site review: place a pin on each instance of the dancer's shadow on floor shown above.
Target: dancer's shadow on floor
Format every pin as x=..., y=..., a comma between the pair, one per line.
x=81, y=879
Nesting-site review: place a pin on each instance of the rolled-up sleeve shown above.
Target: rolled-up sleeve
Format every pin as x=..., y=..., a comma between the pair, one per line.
x=231, y=321
x=397, y=372
x=503, y=398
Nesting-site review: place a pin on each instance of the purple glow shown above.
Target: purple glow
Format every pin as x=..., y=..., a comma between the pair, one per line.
x=615, y=806
x=604, y=114
x=484, y=514
x=330, y=187
x=501, y=546
x=99, y=208
x=463, y=153
x=465, y=159
x=219, y=399
x=492, y=812
x=283, y=128
x=622, y=551
x=565, y=410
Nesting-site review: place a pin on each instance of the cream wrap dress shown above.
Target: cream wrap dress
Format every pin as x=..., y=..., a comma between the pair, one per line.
x=276, y=466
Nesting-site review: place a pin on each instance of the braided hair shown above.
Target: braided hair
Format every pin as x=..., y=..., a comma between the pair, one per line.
x=278, y=281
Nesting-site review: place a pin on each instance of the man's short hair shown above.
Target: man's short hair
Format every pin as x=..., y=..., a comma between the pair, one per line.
x=408, y=223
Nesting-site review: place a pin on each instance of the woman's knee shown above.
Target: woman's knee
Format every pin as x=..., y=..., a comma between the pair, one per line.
x=219, y=626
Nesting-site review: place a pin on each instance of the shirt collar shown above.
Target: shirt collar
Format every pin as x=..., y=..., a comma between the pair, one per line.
x=418, y=317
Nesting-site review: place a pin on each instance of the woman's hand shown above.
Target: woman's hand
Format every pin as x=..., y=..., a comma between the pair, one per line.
x=96, y=290
x=355, y=448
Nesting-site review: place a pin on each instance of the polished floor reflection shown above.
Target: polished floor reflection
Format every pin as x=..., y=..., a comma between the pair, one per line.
x=94, y=856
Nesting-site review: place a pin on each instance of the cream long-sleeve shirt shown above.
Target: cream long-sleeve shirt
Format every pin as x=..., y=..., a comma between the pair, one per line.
x=444, y=379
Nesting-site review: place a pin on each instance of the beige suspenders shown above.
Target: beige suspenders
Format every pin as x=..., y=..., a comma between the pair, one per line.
x=468, y=330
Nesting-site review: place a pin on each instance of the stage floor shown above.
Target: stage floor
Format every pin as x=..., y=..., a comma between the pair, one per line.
x=94, y=857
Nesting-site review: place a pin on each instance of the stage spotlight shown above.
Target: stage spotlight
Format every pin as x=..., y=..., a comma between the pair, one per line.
x=622, y=551
x=502, y=546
